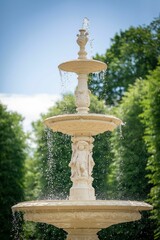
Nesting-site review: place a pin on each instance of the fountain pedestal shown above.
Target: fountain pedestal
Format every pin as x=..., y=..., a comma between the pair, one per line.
x=82, y=234
x=82, y=189
x=82, y=216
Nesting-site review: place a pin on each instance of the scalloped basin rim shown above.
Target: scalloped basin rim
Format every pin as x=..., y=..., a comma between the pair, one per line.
x=57, y=205
x=91, y=214
x=89, y=116
x=94, y=116
x=82, y=124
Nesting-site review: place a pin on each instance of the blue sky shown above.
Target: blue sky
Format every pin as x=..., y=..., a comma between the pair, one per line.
x=37, y=35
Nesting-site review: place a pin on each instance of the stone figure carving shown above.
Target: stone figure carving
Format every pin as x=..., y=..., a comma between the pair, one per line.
x=72, y=163
x=81, y=162
x=90, y=160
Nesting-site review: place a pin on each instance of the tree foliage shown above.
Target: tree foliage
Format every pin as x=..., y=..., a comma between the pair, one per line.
x=12, y=156
x=151, y=120
x=31, y=178
x=127, y=176
x=129, y=150
x=133, y=53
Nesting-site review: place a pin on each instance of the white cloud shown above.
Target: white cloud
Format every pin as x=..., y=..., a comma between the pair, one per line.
x=29, y=106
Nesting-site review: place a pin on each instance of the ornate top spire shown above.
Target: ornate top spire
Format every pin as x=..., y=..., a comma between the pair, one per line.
x=82, y=41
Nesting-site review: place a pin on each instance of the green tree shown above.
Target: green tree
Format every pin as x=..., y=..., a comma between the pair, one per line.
x=151, y=120
x=31, y=179
x=133, y=53
x=129, y=149
x=127, y=177
x=12, y=156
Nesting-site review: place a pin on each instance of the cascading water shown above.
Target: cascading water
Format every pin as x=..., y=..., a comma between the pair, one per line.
x=50, y=163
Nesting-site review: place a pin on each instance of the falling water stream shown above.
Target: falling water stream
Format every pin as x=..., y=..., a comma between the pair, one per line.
x=99, y=75
x=86, y=26
x=17, y=220
x=50, y=162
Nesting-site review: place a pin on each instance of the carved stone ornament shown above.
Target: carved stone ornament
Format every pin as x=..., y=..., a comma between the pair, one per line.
x=82, y=94
x=82, y=41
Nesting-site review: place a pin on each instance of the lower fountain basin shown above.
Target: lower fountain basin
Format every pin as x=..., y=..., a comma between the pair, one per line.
x=82, y=124
x=68, y=214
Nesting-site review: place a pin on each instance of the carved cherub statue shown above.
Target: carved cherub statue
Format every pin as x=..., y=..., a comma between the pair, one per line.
x=82, y=162
x=90, y=160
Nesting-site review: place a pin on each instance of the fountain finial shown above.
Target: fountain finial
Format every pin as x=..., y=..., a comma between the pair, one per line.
x=82, y=41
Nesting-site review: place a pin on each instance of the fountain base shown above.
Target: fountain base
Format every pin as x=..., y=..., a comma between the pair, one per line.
x=82, y=219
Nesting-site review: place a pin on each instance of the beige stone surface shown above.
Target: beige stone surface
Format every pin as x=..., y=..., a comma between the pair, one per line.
x=82, y=41
x=83, y=124
x=83, y=66
x=82, y=94
x=79, y=215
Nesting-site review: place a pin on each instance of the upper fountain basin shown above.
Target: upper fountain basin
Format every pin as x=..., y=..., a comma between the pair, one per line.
x=83, y=66
x=82, y=124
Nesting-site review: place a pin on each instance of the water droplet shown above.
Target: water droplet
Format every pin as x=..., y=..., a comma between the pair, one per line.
x=17, y=219
x=91, y=48
x=86, y=24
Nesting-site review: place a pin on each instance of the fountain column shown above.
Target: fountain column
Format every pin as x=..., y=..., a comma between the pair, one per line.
x=82, y=162
x=82, y=92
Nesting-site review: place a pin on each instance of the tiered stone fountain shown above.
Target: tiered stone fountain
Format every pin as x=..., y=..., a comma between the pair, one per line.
x=82, y=216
